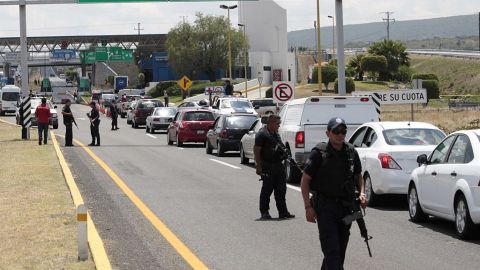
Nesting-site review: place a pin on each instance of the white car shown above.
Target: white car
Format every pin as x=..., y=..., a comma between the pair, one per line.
x=229, y=105
x=388, y=152
x=34, y=103
x=447, y=183
x=248, y=142
x=160, y=118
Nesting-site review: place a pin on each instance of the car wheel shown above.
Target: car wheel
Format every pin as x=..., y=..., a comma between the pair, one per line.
x=463, y=222
x=169, y=142
x=243, y=159
x=220, y=151
x=152, y=130
x=208, y=147
x=414, y=209
x=179, y=142
x=369, y=194
x=135, y=125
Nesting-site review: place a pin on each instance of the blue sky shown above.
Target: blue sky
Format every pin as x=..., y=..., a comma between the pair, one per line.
x=158, y=18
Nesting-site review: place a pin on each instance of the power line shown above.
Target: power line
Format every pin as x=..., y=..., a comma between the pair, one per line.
x=139, y=29
x=388, y=20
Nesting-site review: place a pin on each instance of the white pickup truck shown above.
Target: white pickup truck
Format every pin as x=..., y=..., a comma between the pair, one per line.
x=304, y=124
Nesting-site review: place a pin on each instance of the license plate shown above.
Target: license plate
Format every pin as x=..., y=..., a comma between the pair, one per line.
x=200, y=131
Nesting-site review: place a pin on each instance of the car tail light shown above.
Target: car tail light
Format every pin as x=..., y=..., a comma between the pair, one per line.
x=388, y=162
x=300, y=139
x=364, y=99
x=223, y=133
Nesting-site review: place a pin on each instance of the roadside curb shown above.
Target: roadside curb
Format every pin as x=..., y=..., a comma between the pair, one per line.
x=97, y=248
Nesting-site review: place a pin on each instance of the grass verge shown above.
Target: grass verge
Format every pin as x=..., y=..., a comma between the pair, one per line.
x=38, y=221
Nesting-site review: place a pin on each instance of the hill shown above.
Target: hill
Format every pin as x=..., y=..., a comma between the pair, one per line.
x=445, y=27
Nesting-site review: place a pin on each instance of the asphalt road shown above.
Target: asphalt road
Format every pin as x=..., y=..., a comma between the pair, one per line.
x=211, y=205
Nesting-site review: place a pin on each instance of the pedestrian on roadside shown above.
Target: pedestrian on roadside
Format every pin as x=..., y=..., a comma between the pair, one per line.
x=114, y=115
x=330, y=170
x=269, y=158
x=94, y=117
x=67, y=121
x=228, y=88
x=42, y=113
x=75, y=94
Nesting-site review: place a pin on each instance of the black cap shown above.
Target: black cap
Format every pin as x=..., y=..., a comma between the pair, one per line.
x=335, y=122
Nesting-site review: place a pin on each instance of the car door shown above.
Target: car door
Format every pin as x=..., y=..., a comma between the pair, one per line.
x=428, y=176
x=454, y=169
x=357, y=140
x=250, y=137
x=213, y=133
x=172, y=128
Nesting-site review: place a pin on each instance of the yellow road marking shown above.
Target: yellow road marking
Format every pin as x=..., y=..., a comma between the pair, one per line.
x=95, y=242
x=176, y=243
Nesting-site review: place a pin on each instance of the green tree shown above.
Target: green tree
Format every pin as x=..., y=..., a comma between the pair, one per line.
x=396, y=55
x=203, y=46
x=329, y=74
x=374, y=64
x=181, y=47
x=403, y=74
x=349, y=85
x=354, y=64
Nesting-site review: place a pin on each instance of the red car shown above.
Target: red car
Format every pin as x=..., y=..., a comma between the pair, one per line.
x=190, y=125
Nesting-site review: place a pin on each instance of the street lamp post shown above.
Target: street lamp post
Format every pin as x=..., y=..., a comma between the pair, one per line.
x=229, y=39
x=319, y=60
x=333, y=36
x=246, y=61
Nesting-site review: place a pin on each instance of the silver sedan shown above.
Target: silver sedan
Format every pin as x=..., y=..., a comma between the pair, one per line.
x=160, y=118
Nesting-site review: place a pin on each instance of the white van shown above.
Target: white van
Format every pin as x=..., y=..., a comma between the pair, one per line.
x=304, y=123
x=9, y=96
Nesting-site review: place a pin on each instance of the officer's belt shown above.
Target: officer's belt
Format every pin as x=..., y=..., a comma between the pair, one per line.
x=327, y=199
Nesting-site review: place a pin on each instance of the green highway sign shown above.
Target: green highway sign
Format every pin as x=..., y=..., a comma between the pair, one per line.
x=116, y=54
x=136, y=1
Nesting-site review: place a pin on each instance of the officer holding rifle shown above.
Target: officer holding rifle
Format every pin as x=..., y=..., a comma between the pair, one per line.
x=333, y=174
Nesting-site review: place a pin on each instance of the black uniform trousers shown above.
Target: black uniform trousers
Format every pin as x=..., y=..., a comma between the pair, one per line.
x=274, y=182
x=114, y=121
x=68, y=134
x=333, y=233
x=95, y=133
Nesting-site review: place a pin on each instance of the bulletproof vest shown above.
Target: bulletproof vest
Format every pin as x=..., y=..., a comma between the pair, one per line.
x=270, y=151
x=335, y=171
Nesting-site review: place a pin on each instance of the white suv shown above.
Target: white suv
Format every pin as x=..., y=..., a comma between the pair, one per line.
x=228, y=105
x=304, y=122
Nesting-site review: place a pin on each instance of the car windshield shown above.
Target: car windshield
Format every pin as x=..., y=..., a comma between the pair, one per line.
x=240, y=121
x=10, y=96
x=198, y=116
x=236, y=104
x=263, y=103
x=165, y=112
x=35, y=102
x=408, y=136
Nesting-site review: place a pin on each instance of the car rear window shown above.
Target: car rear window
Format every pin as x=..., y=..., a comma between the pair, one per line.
x=166, y=112
x=408, y=136
x=198, y=116
x=263, y=103
x=236, y=104
x=149, y=105
x=10, y=96
x=240, y=121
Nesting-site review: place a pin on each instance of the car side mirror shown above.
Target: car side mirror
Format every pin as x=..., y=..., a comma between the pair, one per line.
x=170, y=119
x=422, y=159
x=256, y=107
x=54, y=106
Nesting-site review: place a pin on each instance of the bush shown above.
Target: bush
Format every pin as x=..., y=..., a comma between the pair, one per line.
x=433, y=91
x=427, y=76
x=349, y=85
x=160, y=87
x=403, y=74
x=269, y=93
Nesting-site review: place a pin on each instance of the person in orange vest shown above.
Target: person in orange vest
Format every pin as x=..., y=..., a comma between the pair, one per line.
x=42, y=113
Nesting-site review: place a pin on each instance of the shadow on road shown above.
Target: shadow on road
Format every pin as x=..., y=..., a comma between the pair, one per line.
x=391, y=203
x=447, y=228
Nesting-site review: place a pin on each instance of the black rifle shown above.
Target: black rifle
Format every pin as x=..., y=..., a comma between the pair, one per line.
x=75, y=122
x=356, y=211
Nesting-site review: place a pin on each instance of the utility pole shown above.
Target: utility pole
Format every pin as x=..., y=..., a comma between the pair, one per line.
x=139, y=29
x=388, y=20
x=184, y=18
x=479, y=31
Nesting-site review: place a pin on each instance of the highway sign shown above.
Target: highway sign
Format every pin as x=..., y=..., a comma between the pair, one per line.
x=64, y=54
x=405, y=96
x=120, y=82
x=215, y=90
x=283, y=91
x=184, y=83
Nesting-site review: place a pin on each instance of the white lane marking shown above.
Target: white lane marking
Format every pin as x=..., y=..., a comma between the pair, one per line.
x=180, y=148
x=294, y=187
x=80, y=118
x=224, y=163
x=150, y=135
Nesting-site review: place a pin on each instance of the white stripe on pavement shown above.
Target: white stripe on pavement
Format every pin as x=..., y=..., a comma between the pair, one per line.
x=294, y=187
x=150, y=135
x=224, y=163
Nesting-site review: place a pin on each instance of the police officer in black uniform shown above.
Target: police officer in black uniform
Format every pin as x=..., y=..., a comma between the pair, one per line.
x=114, y=115
x=329, y=173
x=94, y=124
x=67, y=121
x=269, y=157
